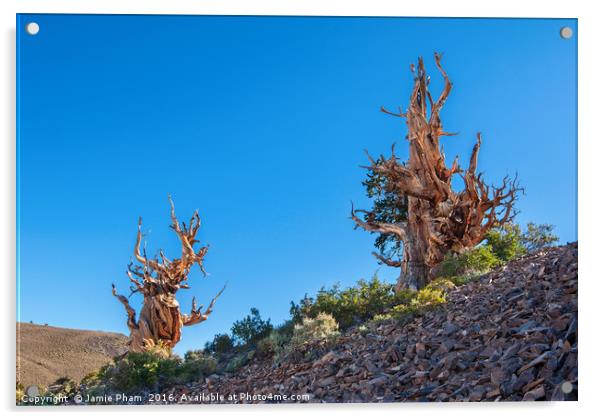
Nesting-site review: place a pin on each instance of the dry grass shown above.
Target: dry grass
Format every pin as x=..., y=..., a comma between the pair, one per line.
x=46, y=353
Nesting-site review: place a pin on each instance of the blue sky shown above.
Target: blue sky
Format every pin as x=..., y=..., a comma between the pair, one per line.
x=260, y=123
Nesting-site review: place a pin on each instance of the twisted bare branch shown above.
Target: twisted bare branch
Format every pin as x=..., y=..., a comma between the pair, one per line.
x=158, y=280
x=196, y=316
x=440, y=219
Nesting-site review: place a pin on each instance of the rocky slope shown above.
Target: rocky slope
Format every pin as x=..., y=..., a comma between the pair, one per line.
x=511, y=336
x=45, y=353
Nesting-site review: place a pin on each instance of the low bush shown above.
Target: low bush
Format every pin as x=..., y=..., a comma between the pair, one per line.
x=221, y=343
x=273, y=343
x=429, y=296
x=383, y=317
x=139, y=371
x=373, y=300
x=475, y=261
x=323, y=326
x=318, y=331
x=416, y=302
x=239, y=361
x=501, y=245
x=506, y=242
x=286, y=329
x=63, y=386
x=363, y=329
x=349, y=306
x=149, y=371
x=96, y=382
x=197, y=364
x=443, y=284
x=251, y=329
x=509, y=242
x=538, y=236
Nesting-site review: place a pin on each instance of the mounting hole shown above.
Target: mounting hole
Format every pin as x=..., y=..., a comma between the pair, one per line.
x=32, y=28
x=566, y=32
x=32, y=391
x=566, y=387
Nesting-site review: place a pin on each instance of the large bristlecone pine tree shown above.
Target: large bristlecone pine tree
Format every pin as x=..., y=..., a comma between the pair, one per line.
x=158, y=280
x=437, y=220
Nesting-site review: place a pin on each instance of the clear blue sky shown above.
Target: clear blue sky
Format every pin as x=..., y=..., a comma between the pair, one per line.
x=260, y=123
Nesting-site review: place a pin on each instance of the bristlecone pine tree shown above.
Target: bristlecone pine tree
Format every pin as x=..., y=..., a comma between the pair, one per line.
x=436, y=219
x=158, y=280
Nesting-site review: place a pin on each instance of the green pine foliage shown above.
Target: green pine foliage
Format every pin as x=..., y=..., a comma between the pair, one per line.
x=388, y=207
x=221, y=343
x=251, y=329
x=538, y=236
x=506, y=243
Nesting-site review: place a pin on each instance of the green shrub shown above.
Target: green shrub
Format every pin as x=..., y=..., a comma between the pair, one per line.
x=221, y=343
x=481, y=259
x=239, y=361
x=63, y=386
x=461, y=279
x=286, y=329
x=415, y=302
x=251, y=329
x=429, y=296
x=272, y=343
x=140, y=371
x=501, y=245
x=373, y=300
x=151, y=370
x=443, y=284
x=475, y=261
x=196, y=364
x=384, y=317
x=323, y=326
x=96, y=382
x=403, y=311
x=538, y=236
x=505, y=242
x=349, y=306
x=451, y=265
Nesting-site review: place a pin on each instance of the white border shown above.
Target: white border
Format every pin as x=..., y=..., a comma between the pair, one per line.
x=589, y=189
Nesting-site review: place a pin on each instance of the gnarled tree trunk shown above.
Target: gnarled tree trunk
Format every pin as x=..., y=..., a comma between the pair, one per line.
x=158, y=280
x=439, y=219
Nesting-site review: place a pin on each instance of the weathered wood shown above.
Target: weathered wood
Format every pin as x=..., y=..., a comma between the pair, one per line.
x=158, y=280
x=440, y=220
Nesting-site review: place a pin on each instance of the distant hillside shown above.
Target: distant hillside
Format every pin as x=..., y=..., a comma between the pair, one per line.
x=45, y=353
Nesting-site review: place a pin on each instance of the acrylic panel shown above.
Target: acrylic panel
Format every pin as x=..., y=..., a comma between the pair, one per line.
x=248, y=209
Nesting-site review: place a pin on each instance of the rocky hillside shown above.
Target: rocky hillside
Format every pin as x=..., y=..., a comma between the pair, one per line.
x=45, y=353
x=511, y=336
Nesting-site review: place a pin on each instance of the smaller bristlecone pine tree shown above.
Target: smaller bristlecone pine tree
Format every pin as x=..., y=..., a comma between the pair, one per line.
x=418, y=210
x=158, y=280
